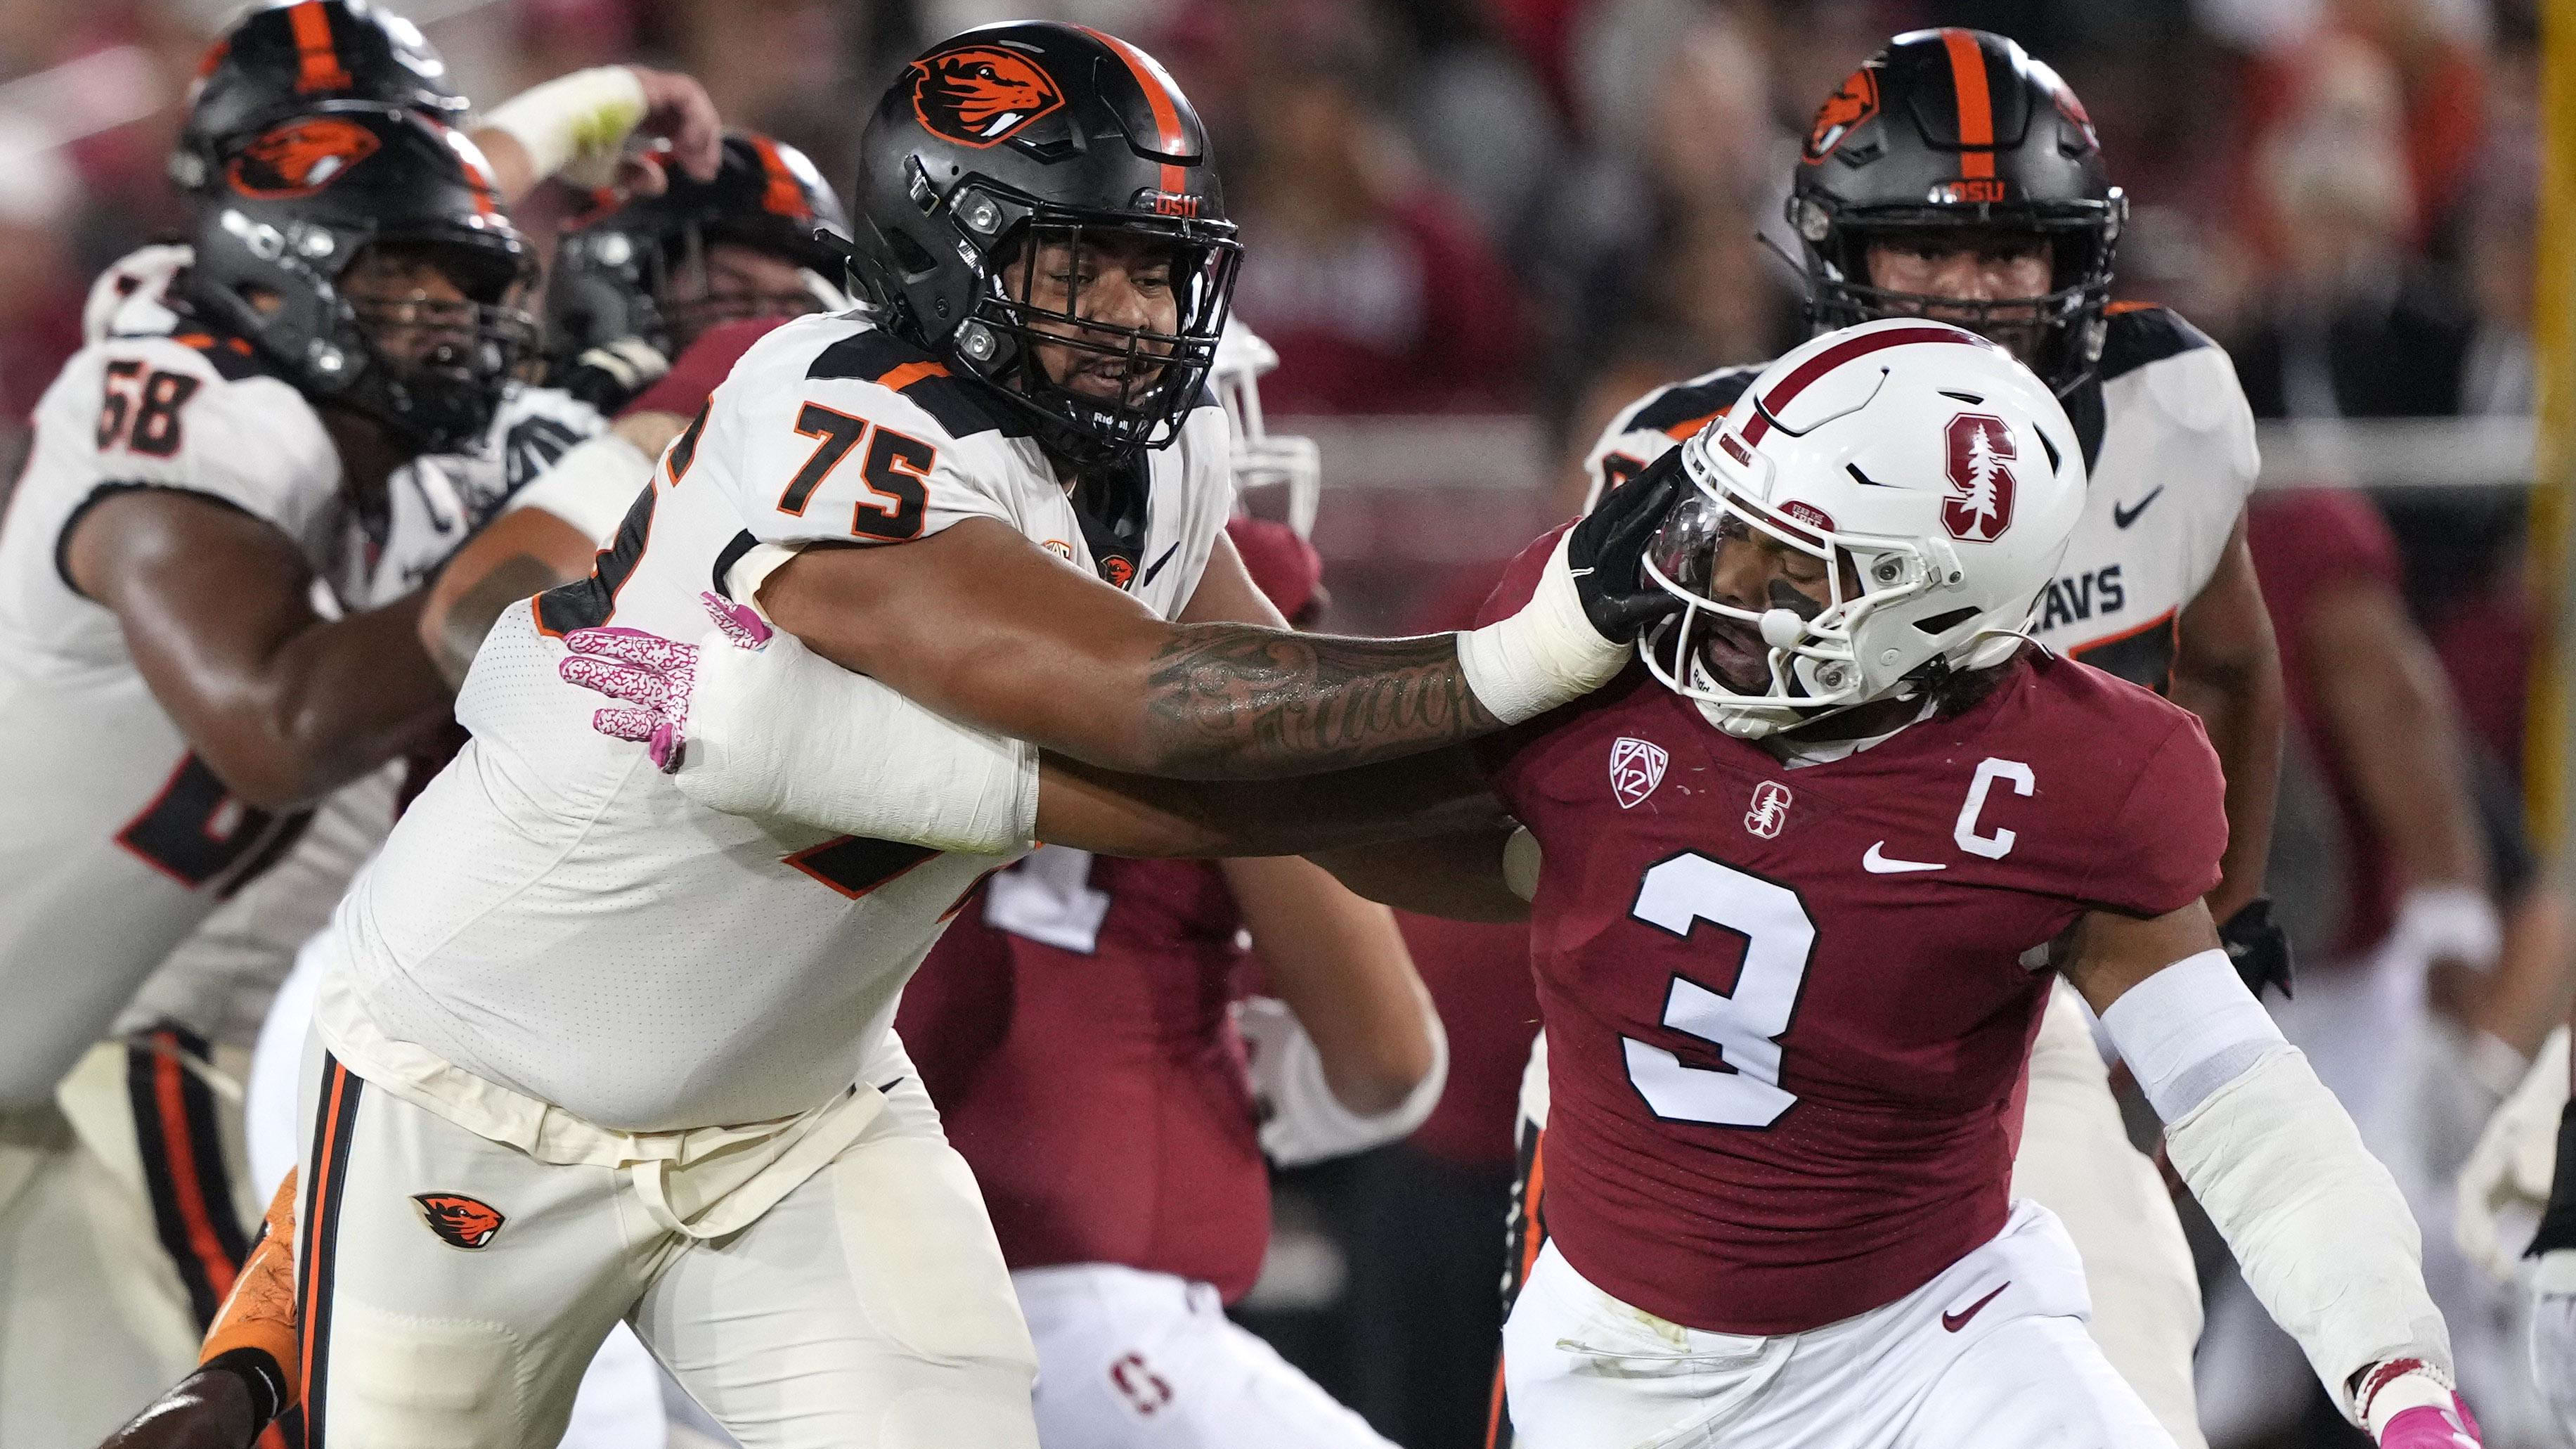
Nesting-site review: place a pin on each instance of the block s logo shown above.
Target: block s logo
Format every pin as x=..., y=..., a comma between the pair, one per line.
x=1980, y=504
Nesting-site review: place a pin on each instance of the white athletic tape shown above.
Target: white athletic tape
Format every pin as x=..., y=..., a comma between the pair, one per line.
x=1306, y=1122
x=1543, y=656
x=783, y=733
x=575, y=125
x=2188, y=1030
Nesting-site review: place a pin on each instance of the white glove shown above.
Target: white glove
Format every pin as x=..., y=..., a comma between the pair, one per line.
x=575, y=126
x=2447, y=923
x=2513, y=1161
x=1301, y=1120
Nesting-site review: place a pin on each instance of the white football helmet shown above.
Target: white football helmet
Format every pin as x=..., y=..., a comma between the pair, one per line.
x=1937, y=478
x=1260, y=460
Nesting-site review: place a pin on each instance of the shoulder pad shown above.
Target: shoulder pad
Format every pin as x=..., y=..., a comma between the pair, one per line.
x=963, y=406
x=2138, y=333
x=1684, y=408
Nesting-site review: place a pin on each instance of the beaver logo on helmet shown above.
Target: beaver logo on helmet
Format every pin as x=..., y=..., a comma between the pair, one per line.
x=1842, y=111
x=980, y=95
x=459, y=1221
x=301, y=157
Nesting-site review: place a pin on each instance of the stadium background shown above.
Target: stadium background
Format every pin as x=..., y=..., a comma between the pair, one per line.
x=1475, y=227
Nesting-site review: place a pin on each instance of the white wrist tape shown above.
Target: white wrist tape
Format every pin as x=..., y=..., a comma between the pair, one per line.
x=1305, y=1122
x=2316, y=1223
x=2413, y=1389
x=781, y=733
x=2448, y=923
x=575, y=125
x=2189, y=1030
x=590, y=487
x=1543, y=656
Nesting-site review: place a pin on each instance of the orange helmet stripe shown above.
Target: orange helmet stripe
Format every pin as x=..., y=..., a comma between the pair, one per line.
x=782, y=195
x=319, y=69
x=1159, y=96
x=1976, y=107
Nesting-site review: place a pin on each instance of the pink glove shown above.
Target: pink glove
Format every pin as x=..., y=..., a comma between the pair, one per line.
x=2429, y=1427
x=653, y=674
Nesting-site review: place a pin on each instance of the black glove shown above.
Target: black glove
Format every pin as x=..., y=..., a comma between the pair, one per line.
x=224, y=1404
x=1607, y=548
x=2258, y=948
x=609, y=376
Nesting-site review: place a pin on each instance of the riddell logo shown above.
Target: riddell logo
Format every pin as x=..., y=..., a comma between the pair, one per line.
x=1636, y=768
x=1770, y=810
x=981, y=95
x=459, y=1221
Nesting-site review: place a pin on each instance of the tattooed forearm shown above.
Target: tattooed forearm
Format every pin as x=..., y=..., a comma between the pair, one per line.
x=470, y=616
x=1230, y=701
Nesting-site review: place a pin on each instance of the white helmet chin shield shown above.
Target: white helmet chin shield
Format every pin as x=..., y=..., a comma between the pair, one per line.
x=1910, y=473
x=1275, y=477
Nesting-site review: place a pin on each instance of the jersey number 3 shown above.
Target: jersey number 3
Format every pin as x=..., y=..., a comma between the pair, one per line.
x=1745, y=1026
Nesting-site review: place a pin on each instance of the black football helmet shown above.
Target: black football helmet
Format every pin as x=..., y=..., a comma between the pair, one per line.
x=300, y=57
x=612, y=273
x=1008, y=138
x=1961, y=128
x=301, y=201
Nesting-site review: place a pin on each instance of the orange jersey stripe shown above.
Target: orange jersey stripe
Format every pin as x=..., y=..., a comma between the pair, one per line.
x=314, y=1203
x=318, y=67
x=181, y=1151
x=1159, y=93
x=1976, y=107
x=910, y=373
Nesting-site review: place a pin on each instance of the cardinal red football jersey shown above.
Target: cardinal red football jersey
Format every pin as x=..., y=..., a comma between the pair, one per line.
x=1072, y=1027
x=1786, y=1008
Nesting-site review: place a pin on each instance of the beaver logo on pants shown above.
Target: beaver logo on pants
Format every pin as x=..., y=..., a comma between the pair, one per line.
x=459, y=1221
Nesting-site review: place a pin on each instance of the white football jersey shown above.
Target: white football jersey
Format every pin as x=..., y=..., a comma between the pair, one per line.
x=2169, y=440
x=554, y=916
x=118, y=839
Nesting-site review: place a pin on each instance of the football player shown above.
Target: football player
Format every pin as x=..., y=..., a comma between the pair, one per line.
x=2526, y=1159
x=1798, y=886
x=174, y=700
x=1073, y=1029
x=1953, y=176
x=590, y=1050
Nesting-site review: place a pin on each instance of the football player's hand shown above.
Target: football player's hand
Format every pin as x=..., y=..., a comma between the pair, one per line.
x=609, y=375
x=655, y=677
x=2432, y=1426
x=2258, y=948
x=678, y=109
x=211, y=1408
x=2513, y=1160
x=1606, y=551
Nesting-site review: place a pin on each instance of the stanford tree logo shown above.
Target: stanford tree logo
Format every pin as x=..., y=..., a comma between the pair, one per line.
x=1980, y=504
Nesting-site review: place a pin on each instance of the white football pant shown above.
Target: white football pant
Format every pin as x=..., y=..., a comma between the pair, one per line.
x=868, y=1308
x=1992, y=1352
x=1134, y=1360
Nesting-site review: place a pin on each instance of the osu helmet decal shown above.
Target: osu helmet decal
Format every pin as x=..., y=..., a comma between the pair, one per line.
x=459, y=1221
x=1842, y=112
x=301, y=157
x=980, y=95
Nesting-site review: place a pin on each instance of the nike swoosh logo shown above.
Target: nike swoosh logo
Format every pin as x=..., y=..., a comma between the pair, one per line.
x=1158, y=565
x=1956, y=1321
x=2123, y=517
x=1877, y=862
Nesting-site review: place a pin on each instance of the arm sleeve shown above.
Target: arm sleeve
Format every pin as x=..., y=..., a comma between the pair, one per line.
x=2166, y=835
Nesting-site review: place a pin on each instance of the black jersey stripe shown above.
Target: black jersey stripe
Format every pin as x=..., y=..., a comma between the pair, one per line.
x=963, y=406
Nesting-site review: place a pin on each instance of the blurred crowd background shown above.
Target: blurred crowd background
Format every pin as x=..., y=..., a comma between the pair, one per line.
x=1517, y=215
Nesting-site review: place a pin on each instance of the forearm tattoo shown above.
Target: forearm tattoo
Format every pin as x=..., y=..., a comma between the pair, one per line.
x=1229, y=701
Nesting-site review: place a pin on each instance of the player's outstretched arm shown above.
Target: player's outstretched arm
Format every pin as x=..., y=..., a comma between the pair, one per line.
x=2317, y=1224
x=985, y=627
x=216, y=607
x=246, y=1372
x=576, y=125
x=2229, y=673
